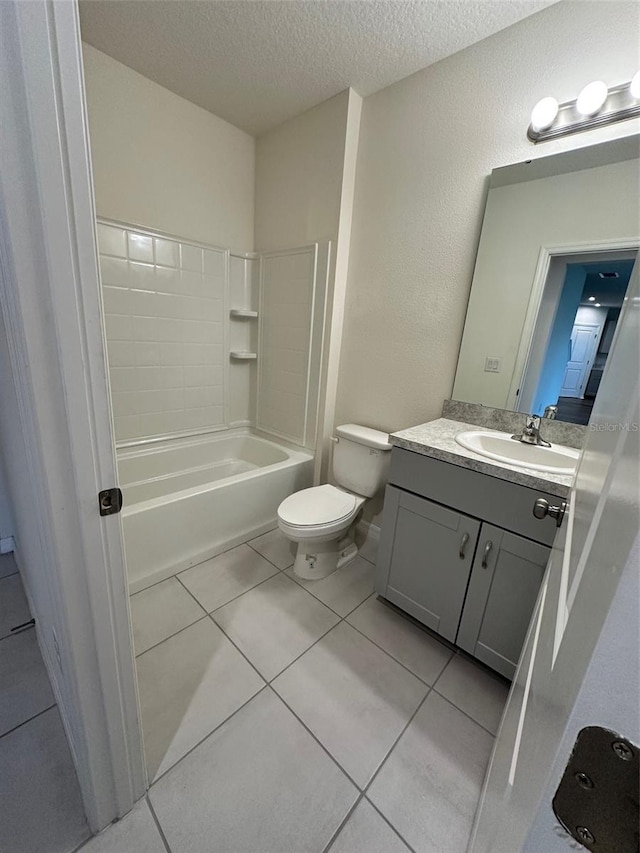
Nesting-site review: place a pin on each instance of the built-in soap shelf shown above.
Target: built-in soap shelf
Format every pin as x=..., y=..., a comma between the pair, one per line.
x=243, y=314
x=243, y=355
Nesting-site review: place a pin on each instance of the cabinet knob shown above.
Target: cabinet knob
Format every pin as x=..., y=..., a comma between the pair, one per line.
x=463, y=545
x=542, y=508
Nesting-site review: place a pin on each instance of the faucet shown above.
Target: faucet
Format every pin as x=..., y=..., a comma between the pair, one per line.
x=531, y=432
x=551, y=412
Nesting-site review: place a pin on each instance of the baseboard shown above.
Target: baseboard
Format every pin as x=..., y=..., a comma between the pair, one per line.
x=7, y=545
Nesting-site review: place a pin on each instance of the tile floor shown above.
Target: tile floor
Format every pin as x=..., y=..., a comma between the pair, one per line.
x=285, y=715
x=40, y=806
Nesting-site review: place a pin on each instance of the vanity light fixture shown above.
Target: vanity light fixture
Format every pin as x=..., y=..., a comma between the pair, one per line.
x=591, y=99
x=544, y=114
x=595, y=106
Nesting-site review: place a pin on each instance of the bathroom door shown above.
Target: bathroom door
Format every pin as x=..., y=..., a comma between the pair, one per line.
x=584, y=339
x=51, y=304
x=575, y=661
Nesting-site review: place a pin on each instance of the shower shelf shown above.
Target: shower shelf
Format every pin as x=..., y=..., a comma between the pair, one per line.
x=243, y=314
x=243, y=355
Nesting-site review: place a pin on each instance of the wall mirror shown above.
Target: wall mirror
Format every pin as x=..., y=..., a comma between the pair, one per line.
x=559, y=239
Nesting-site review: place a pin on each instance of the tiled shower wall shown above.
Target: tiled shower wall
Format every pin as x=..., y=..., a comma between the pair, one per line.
x=165, y=314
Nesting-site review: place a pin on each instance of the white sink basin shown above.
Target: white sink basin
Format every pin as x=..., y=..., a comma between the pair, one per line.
x=503, y=448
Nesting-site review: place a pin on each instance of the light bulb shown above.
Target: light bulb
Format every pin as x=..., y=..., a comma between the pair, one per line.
x=598, y=305
x=544, y=114
x=591, y=99
x=634, y=86
x=592, y=299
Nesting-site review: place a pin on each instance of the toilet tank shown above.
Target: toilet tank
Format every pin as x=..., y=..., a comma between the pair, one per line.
x=361, y=459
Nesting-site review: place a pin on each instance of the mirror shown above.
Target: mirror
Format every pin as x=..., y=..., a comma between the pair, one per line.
x=559, y=239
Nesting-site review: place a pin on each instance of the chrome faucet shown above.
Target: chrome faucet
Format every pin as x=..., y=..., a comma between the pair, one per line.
x=531, y=432
x=551, y=412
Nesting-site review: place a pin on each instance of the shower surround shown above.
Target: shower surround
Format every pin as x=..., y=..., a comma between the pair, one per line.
x=214, y=362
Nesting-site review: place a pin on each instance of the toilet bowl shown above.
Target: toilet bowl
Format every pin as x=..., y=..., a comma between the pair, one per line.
x=322, y=519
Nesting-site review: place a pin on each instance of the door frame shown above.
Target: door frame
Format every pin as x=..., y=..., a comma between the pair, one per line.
x=545, y=257
x=51, y=302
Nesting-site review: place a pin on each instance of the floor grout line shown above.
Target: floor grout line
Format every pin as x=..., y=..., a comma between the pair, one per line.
x=29, y=720
x=206, y=737
x=308, y=649
x=388, y=822
x=317, y=739
x=462, y=711
x=404, y=666
x=396, y=741
x=269, y=683
x=343, y=823
x=239, y=595
x=264, y=556
x=220, y=628
x=201, y=563
x=317, y=597
x=157, y=823
x=170, y=636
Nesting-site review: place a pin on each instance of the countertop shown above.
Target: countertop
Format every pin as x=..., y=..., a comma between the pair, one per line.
x=437, y=440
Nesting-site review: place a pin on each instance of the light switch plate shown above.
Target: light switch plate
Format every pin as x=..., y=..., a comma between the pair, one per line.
x=492, y=364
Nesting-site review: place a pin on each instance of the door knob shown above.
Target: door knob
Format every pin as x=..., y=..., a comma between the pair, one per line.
x=542, y=508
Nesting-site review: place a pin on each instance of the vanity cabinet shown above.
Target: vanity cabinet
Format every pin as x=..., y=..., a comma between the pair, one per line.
x=431, y=560
x=462, y=552
x=505, y=578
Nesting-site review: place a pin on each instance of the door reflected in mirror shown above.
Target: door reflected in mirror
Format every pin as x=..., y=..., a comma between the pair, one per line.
x=570, y=334
x=559, y=240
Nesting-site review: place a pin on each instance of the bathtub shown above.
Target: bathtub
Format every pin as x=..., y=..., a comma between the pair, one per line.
x=186, y=500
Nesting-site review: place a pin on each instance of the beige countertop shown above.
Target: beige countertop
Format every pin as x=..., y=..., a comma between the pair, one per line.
x=437, y=440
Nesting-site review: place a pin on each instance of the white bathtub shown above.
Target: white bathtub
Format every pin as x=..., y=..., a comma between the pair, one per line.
x=186, y=500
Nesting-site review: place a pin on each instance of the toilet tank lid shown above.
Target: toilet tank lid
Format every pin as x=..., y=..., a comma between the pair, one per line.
x=364, y=435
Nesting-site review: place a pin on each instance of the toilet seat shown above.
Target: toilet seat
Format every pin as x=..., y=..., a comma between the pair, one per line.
x=318, y=507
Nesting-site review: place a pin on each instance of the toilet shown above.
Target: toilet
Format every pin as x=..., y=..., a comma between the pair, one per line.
x=322, y=519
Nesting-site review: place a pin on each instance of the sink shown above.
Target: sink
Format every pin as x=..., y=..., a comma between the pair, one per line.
x=500, y=446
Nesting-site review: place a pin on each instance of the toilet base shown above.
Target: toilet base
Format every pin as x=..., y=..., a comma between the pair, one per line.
x=316, y=560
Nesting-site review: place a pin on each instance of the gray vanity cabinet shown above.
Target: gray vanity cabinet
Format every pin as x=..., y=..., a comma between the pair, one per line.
x=431, y=559
x=506, y=576
x=462, y=552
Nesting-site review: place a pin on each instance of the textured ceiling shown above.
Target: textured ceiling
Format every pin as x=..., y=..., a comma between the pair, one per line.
x=257, y=63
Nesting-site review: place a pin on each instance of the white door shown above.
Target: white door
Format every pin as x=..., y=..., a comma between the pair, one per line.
x=584, y=339
x=591, y=569
x=51, y=310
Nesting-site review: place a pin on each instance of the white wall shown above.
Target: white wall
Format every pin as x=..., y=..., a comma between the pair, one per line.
x=304, y=194
x=163, y=163
x=588, y=206
x=427, y=146
x=299, y=167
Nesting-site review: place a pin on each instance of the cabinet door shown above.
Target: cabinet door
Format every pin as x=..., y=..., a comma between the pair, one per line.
x=425, y=559
x=506, y=576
